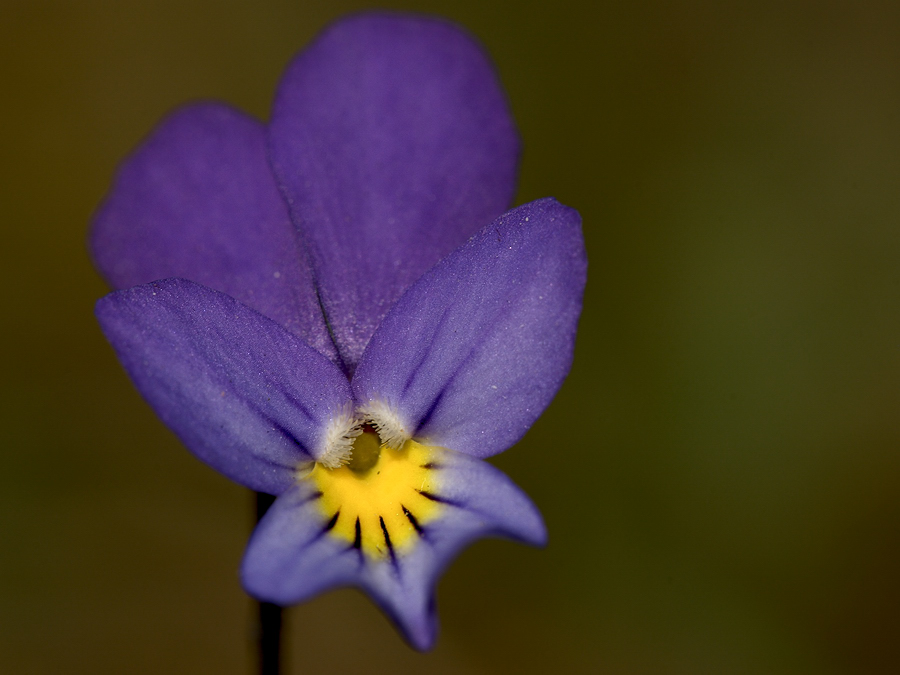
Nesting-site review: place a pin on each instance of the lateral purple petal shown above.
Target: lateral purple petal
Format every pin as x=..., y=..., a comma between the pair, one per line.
x=197, y=200
x=393, y=142
x=471, y=355
x=292, y=557
x=244, y=395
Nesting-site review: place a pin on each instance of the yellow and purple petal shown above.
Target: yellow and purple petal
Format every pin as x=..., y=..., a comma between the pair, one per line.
x=391, y=535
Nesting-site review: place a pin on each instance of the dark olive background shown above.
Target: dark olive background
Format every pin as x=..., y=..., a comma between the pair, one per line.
x=720, y=473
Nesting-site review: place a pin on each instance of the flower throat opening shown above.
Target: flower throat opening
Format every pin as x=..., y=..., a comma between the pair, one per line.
x=366, y=451
x=355, y=436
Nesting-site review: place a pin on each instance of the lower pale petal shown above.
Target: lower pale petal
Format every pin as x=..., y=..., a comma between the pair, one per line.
x=321, y=534
x=475, y=350
x=244, y=395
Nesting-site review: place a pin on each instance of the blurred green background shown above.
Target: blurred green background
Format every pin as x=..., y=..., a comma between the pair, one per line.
x=720, y=473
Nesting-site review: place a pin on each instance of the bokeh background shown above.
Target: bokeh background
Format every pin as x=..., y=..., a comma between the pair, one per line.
x=720, y=473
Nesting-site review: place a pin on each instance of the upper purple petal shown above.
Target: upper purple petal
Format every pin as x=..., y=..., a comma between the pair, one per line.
x=392, y=141
x=244, y=395
x=471, y=355
x=197, y=200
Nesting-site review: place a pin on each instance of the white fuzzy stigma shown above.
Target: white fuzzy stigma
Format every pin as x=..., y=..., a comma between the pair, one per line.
x=342, y=431
x=390, y=428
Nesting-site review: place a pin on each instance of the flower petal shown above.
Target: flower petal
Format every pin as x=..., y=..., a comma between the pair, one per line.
x=471, y=355
x=292, y=555
x=393, y=142
x=197, y=200
x=245, y=396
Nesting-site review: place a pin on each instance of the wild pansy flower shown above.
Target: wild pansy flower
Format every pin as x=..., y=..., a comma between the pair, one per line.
x=334, y=308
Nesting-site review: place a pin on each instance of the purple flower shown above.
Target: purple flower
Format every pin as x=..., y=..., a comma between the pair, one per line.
x=332, y=308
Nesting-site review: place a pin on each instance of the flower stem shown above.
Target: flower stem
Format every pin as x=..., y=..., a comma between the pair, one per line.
x=268, y=616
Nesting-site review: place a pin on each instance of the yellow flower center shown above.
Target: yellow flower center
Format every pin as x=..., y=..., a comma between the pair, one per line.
x=382, y=498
